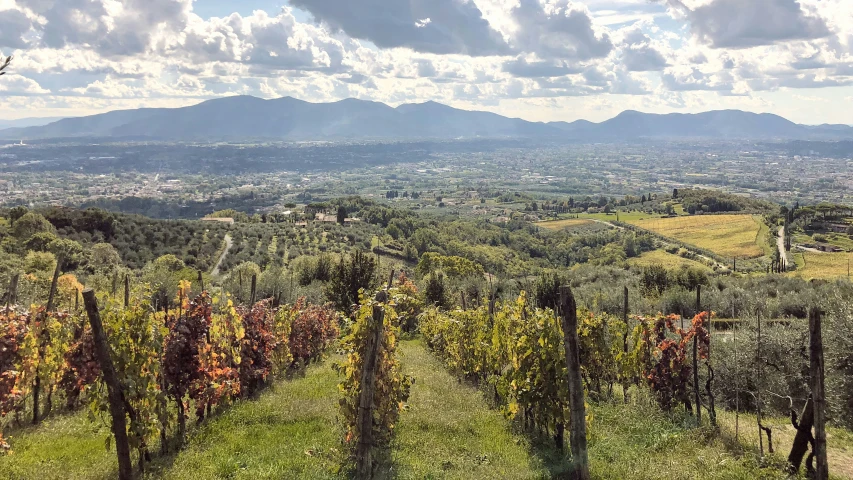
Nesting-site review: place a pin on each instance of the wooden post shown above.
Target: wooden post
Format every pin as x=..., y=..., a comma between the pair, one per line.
x=758, y=361
x=254, y=287
x=126, y=290
x=712, y=413
x=698, y=397
x=625, y=383
x=200, y=280
x=12, y=299
x=816, y=370
x=116, y=397
x=577, y=433
x=51, y=297
x=364, y=449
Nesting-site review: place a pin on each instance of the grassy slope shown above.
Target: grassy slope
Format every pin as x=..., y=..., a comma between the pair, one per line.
x=449, y=432
x=726, y=235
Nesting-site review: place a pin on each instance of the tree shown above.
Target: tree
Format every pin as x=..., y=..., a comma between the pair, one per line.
x=4, y=64
x=342, y=214
x=674, y=193
x=351, y=275
x=30, y=224
x=104, y=256
x=435, y=292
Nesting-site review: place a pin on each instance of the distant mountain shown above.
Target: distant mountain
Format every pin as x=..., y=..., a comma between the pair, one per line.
x=248, y=118
x=27, y=122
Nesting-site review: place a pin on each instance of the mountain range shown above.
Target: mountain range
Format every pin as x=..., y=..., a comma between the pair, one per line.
x=290, y=119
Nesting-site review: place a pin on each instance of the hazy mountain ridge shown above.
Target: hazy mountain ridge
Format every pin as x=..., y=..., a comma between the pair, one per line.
x=245, y=117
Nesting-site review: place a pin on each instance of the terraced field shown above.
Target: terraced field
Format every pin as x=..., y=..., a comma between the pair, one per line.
x=726, y=235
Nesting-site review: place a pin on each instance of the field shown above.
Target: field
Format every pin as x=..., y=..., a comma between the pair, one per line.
x=668, y=260
x=820, y=265
x=727, y=235
x=567, y=223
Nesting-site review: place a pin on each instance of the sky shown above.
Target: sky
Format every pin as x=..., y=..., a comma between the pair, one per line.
x=542, y=60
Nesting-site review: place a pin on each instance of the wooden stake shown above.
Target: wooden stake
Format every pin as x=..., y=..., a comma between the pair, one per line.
x=364, y=449
x=52, y=294
x=816, y=370
x=116, y=397
x=254, y=287
x=577, y=433
x=126, y=290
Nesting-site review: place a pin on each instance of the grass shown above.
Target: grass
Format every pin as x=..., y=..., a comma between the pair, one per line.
x=561, y=224
x=640, y=442
x=61, y=447
x=291, y=431
x=449, y=432
x=726, y=235
x=839, y=441
x=820, y=265
x=668, y=260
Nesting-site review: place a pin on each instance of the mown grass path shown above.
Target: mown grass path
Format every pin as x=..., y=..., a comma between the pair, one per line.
x=449, y=432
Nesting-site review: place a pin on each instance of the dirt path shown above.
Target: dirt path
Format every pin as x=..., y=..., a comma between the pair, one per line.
x=228, y=244
x=780, y=243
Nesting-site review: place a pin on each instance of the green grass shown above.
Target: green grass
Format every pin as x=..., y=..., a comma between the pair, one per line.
x=448, y=431
x=61, y=447
x=291, y=431
x=639, y=442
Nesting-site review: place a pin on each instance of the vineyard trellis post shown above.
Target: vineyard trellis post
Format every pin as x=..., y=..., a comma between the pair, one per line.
x=577, y=432
x=254, y=288
x=816, y=370
x=116, y=400
x=51, y=296
x=364, y=449
x=696, y=394
x=625, y=383
x=13, y=291
x=126, y=290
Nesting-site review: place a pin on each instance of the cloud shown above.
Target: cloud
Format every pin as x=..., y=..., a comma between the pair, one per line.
x=639, y=55
x=685, y=78
x=111, y=28
x=17, y=85
x=427, y=26
x=750, y=23
x=14, y=25
x=520, y=67
x=558, y=29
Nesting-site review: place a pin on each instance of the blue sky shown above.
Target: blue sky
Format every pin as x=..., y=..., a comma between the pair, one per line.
x=535, y=59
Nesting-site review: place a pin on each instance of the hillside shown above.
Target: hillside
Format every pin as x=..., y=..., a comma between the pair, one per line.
x=246, y=118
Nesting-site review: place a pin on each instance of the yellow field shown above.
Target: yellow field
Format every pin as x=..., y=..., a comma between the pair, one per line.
x=821, y=265
x=561, y=224
x=726, y=235
x=668, y=260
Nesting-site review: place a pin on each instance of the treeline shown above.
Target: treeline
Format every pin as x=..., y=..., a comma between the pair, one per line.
x=696, y=200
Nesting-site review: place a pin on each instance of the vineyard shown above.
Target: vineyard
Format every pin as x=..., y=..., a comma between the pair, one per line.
x=331, y=363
